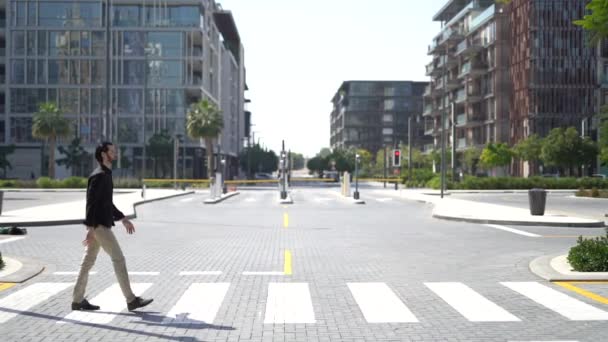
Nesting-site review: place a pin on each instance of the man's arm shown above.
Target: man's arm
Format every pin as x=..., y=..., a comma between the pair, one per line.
x=92, y=201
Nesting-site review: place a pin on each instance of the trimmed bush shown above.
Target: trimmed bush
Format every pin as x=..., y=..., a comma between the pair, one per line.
x=1, y=262
x=45, y=183
x=74, y=183
x=590, y=255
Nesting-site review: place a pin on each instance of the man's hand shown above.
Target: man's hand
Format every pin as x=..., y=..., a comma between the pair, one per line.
x=129, y=226
x=89, y=238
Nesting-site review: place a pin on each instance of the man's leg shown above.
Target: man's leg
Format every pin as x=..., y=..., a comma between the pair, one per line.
x=90, y=255
x=108, y=242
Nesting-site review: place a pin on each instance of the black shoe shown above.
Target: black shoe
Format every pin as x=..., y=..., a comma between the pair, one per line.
x=84, y=305
x=138, y=302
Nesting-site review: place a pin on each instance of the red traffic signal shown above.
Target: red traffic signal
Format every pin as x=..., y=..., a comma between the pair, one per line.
x=396, y=158
x=397, y=153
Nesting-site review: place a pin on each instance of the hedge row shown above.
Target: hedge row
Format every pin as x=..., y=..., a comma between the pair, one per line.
x=501, y=183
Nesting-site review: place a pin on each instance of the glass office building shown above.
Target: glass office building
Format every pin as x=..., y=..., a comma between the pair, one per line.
x=152, y=58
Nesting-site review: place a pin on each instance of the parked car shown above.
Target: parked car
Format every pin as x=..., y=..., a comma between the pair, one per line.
x=335, y=175
x=598, y=175
x=262, y=175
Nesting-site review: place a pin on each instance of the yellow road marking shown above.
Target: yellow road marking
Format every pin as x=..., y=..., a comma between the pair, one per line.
x=285, y=220
x=6, y=286
x=583, y=292
x=287, y=268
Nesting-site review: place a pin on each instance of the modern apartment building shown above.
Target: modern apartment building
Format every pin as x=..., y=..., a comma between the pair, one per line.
x=121, y=70
x=374, y=114
x=510, y=71
x=469, y=71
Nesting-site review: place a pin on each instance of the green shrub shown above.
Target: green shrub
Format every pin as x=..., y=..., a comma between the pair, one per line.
x=1, y=262
x=590, y=255
x=45, y=183
x=595, y=192
x=74, y=183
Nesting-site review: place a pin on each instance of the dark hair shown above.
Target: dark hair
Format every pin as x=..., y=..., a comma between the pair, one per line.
x=102, y=147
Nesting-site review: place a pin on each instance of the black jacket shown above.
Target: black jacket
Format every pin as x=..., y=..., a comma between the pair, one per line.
x=100, y=209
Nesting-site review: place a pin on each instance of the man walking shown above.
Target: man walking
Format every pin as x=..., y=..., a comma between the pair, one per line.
x=101, y=214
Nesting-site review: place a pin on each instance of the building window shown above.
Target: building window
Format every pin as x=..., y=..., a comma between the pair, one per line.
x=167, y=73
x=70, y=14
x=387, y=131
x=126, y=16
x=21, y=130
x=387, y=117
x=98, y=43
x=17, y=72
x=18, y=42
x=164, y=44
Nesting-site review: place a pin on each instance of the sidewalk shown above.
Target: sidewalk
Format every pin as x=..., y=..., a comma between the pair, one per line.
x=73, y=212
x=478, y=212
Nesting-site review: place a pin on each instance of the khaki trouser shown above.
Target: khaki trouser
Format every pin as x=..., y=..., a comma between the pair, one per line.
x=104, y=238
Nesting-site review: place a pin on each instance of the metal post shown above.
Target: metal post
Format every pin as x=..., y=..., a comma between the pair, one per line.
x=453, y=142
x=356, y=194
x=385, y=165
x=106, y=119
x=409, y=148
x=175, y=155
x=442, y=152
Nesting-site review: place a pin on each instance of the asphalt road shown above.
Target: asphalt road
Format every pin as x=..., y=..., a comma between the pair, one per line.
x=330, y=271
x=561, y=203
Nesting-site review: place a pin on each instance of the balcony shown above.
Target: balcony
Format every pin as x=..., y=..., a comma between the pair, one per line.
x=432, y=48
x=428, y=148
x=482, y=18
x=461, y=120
x=453, y=83
x=467, y=46
x=461, y=143
x=439, y=84
x=429, y=129
x=432, y=69
x=427, y=91
x=428, y=110
x=472, y=69
x=449, y=35
x=461, y=96
x=473, y=96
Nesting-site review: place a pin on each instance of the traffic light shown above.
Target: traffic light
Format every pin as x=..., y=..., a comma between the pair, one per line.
x=396, y=158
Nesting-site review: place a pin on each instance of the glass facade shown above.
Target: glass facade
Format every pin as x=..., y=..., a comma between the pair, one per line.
x=160, y=62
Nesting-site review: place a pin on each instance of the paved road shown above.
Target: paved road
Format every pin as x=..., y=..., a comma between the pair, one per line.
x=14, y=200
x=384, y=271
x=564, y=203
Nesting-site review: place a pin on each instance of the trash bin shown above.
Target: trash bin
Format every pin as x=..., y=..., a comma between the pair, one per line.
x=537, y=199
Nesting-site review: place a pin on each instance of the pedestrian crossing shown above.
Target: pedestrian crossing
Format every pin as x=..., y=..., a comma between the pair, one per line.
x=292, y=303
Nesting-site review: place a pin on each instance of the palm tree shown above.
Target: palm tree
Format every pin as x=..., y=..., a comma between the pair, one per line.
x=205, y=122
x=49, y=124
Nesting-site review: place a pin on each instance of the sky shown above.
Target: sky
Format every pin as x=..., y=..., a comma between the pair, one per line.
x=297, y=54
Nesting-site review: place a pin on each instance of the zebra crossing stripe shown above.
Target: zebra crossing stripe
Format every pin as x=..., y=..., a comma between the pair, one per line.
x=289, y=303
x=199, y=304
x=379, y=304
x=112, y=302
x=27, y=298
x=470, y=304
x=563, y=304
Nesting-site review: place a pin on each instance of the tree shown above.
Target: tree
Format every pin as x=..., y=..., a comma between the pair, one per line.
x=204, y=121
x=75, y=156
x=49, y=124
x=470, y=159
x=496, y=155
x=529, y=149
x=596, y=22
x=4, y=163
x=564, y=149
x=315, y=164
x=160, y=148
x=261, y=160
x=365, y=162
x=298, y=161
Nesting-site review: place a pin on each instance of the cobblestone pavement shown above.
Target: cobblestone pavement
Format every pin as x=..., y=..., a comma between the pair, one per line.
x=322, y=269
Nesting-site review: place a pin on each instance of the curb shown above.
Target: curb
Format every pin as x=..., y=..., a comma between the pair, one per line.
x=79, y=221
x=596, y=224
x=224, y=197
x=541, y=266
x=29, y=269
x=288, y=200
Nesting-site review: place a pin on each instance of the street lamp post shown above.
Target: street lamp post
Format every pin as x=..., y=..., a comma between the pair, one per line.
x=357, y=159
x=223, y=162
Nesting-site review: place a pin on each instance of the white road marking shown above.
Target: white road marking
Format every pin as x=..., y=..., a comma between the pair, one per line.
x=470, y=304
x=384, y=199
x=27, y=298
x=563, y=304
x=191, y=273
x=12, y=239
x=251, y=199
x=289, y=303
x=515, y=231
x=263, y=273
x=145, y=273
x=199, y=304
x=111, y=301
x=379, y=304
x=72, y=273
x=190, y=199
